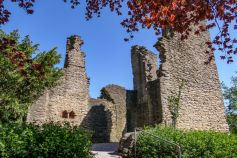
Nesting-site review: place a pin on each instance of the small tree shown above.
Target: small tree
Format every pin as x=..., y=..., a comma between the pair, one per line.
x=174, y=105
x=23, y=77
x=230, y=94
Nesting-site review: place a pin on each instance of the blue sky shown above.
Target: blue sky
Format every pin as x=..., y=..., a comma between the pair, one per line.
x=107, y=55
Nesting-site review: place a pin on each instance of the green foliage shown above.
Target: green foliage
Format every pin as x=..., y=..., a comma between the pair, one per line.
x=50, y=140
x=174, y=105
x=194, y=144
x=22, y=76
x=230, y=94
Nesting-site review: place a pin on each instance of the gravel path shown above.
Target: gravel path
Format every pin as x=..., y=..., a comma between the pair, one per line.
x=105, y=150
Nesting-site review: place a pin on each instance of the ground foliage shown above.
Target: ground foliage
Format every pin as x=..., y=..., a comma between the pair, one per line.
x=194, y=144
x=49, y=140
x=22, y=77
x=230, y=94
x=178, y=15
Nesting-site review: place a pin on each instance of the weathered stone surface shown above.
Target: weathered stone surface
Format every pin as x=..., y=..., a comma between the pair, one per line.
x=99, y=120
x=202, y=104
x=132, y=110
x=71, y=93
x=127, y=145
x=69, y=101
x=144, y=66
x=118, y=110
x=107, y=127
x=117, y=95
x=119, y=107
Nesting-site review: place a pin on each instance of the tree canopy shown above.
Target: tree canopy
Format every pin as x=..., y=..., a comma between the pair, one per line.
x=179, y=15
x=23, y=77
x=230, y=94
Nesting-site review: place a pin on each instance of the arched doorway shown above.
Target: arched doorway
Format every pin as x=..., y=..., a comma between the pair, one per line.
x=99, y=124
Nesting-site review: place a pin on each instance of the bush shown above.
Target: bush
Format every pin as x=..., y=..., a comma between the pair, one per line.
x=194, y=144
x=47, y=141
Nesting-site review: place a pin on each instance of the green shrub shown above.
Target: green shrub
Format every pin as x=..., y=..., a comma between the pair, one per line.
x=47, y=141
x=194, y=144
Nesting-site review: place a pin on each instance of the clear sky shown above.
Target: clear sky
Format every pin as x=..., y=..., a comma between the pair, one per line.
x=107, y=55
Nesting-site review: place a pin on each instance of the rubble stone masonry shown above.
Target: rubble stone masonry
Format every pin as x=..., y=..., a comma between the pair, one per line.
x=201, y=106
x=118, y=110
x=68, y=101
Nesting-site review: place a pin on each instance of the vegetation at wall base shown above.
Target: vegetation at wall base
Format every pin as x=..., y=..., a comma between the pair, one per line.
x=194, y=144
x=46, y=141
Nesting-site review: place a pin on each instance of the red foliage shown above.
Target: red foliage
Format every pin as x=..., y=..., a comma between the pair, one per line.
x=5, y=14
x=179, y=15
x=18, y=58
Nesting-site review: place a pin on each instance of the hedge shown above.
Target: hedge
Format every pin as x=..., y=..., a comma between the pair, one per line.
x=194, y=144
x=47, y=141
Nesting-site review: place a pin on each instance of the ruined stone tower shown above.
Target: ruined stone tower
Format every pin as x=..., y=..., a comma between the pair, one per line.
x=118, y=110
x=68, y=100
x=201, y=105
x=144, y=66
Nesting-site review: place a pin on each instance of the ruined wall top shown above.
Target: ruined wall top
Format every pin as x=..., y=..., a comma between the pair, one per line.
x=74, y=42
x=144, y=62
x=74, y=55
x=201, y=104
x=144, y=67
x=68, y=100
x=113, y=93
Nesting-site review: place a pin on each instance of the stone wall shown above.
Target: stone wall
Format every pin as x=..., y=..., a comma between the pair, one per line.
x=119, y=110
x=107, y=115
x=144, y=66
x=132, y=110
x=202, y=104
x=99, y=120
x=68, y=101
x=116, y=95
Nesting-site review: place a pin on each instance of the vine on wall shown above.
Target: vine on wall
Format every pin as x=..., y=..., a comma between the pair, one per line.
x=174, y=104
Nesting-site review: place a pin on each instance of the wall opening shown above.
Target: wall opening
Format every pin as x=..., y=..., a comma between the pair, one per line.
x=99, y=124
x=72, y=115
x=64, y=114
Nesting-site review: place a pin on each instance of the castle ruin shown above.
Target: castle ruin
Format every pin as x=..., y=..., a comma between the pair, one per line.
x=118, y=110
